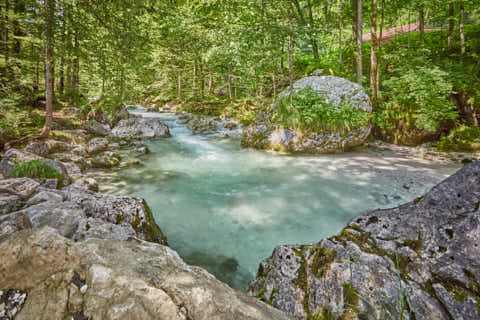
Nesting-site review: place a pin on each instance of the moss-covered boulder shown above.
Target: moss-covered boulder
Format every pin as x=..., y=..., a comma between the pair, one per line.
x=324, y=115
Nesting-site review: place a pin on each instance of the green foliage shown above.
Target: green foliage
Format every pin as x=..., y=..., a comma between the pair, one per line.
x=420, y=95
x=463, y=138
x=310, y=111
x=36, y=169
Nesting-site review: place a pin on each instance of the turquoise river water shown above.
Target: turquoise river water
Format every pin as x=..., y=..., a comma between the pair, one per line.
x=225, y=208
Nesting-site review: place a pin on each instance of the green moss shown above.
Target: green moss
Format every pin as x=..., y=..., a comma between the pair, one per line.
x=272, y=295
x=148, y=227
x=350, y=295
x=301, y=281
x=120, y=218
x=414, y=244
x=322, y=314
x=14, y=206
x=261, y=296
x=322, y=261
x=36, y=169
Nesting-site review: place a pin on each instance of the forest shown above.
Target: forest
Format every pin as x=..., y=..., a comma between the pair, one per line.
x=240, y=159
x=234, y=57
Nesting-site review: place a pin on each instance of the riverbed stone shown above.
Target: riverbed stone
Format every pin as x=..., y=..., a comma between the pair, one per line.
x=96, y=128
x=111, y=279
x=422, y=255
x=97, y=145
x=138, y=128
x=266, y=134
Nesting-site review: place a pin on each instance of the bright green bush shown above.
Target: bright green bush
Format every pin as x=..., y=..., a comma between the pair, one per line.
x=311, y=111
x=463, y=138
x=421, y=96
x=36, y=169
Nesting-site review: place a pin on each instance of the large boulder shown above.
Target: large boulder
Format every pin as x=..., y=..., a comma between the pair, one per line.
x=75, y=212
x=96, y=128
x=140, y=128
x=48, y=276
x=417, y=261
x=338, y=92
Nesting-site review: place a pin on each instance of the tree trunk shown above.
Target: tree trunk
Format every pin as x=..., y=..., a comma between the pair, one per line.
x=421, y=23
x=179, y=86
x=202, y=80
x=340, y=35
x=19, y=7
x=6, y=48
x=373, y=52
x=49, y=62
x=354, y=4
x=451, y=24
x=195, y=78
x=210, y=83
x=379, y=59
x=76, y=63
x=462, y=26
x=290, y=55
x=230, y=86
x=359, y=41
x=316, y=56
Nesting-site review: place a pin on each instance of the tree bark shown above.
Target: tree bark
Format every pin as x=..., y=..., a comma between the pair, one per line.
x=19, y=7
x=230, y=86
x=451, y=23
x=421, y=23
x=354, y=3
x=76, y=62
x=195, y=78
x=379, y=59
x=210, y=83
x=373, y=52
x=462, y=27
x=6, y=48
x=179, y=86
x=290, y=55
x=310, y=32
x=49, y=62
x=359, y=41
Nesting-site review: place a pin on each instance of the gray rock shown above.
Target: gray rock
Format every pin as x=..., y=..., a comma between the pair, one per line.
x=140, y=128
x=97, y=145
x=96, y=128
x=416, y=261
x=337, y=91
x=117, y=210
x=11, y=303
x=124, y=280
x=44, y=148
x=106, y=160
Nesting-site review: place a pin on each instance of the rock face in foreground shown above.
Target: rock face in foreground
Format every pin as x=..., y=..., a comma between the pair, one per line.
x=74, y=211
x=109, y=279
x=337, y=92
x=418, y=261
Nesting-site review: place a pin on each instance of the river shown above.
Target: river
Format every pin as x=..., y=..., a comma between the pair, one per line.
x=225, y=208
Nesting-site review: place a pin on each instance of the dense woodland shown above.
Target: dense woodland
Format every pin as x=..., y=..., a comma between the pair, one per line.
x=233, y=57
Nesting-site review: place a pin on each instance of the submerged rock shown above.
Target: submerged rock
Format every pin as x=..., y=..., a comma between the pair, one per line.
x=138, y=128
x=417, y=261
x=108, y=279
x=338, y=92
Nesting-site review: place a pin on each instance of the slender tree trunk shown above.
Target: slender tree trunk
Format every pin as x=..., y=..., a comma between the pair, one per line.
x=195, y=78
x=274, y=85
x=373, y=52
x=49, y=62
x=359, y=41
x=19, y=7
x=76, y=63
x=230, y=86
x=340, y=35
x=421, y=23
x=179, y=86
x=462, y=26
x=202, y=80
x=6, y=47
x=379, y=60
x=290, y=55
x=210, y=83
x=316, y=55
x=451, y=24
x=354, y=4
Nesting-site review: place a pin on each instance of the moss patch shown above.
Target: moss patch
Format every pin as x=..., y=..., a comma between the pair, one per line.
x=36, y=169
x=322, y=261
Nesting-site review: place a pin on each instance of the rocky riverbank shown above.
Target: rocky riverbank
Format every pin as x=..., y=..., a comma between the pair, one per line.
x=72, y=253
x=416, y=261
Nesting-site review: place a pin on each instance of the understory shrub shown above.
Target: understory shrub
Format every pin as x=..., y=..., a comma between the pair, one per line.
x=463, y=138
x=36, y=169
x=309, y=110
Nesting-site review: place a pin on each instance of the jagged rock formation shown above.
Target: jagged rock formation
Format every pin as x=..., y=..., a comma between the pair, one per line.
x=74, y=211
x=111, y=279
x=264, y=134
x=417, y=261
x=140, y=128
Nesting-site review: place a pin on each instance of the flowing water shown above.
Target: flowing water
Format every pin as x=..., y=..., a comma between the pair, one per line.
x=225, y=208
